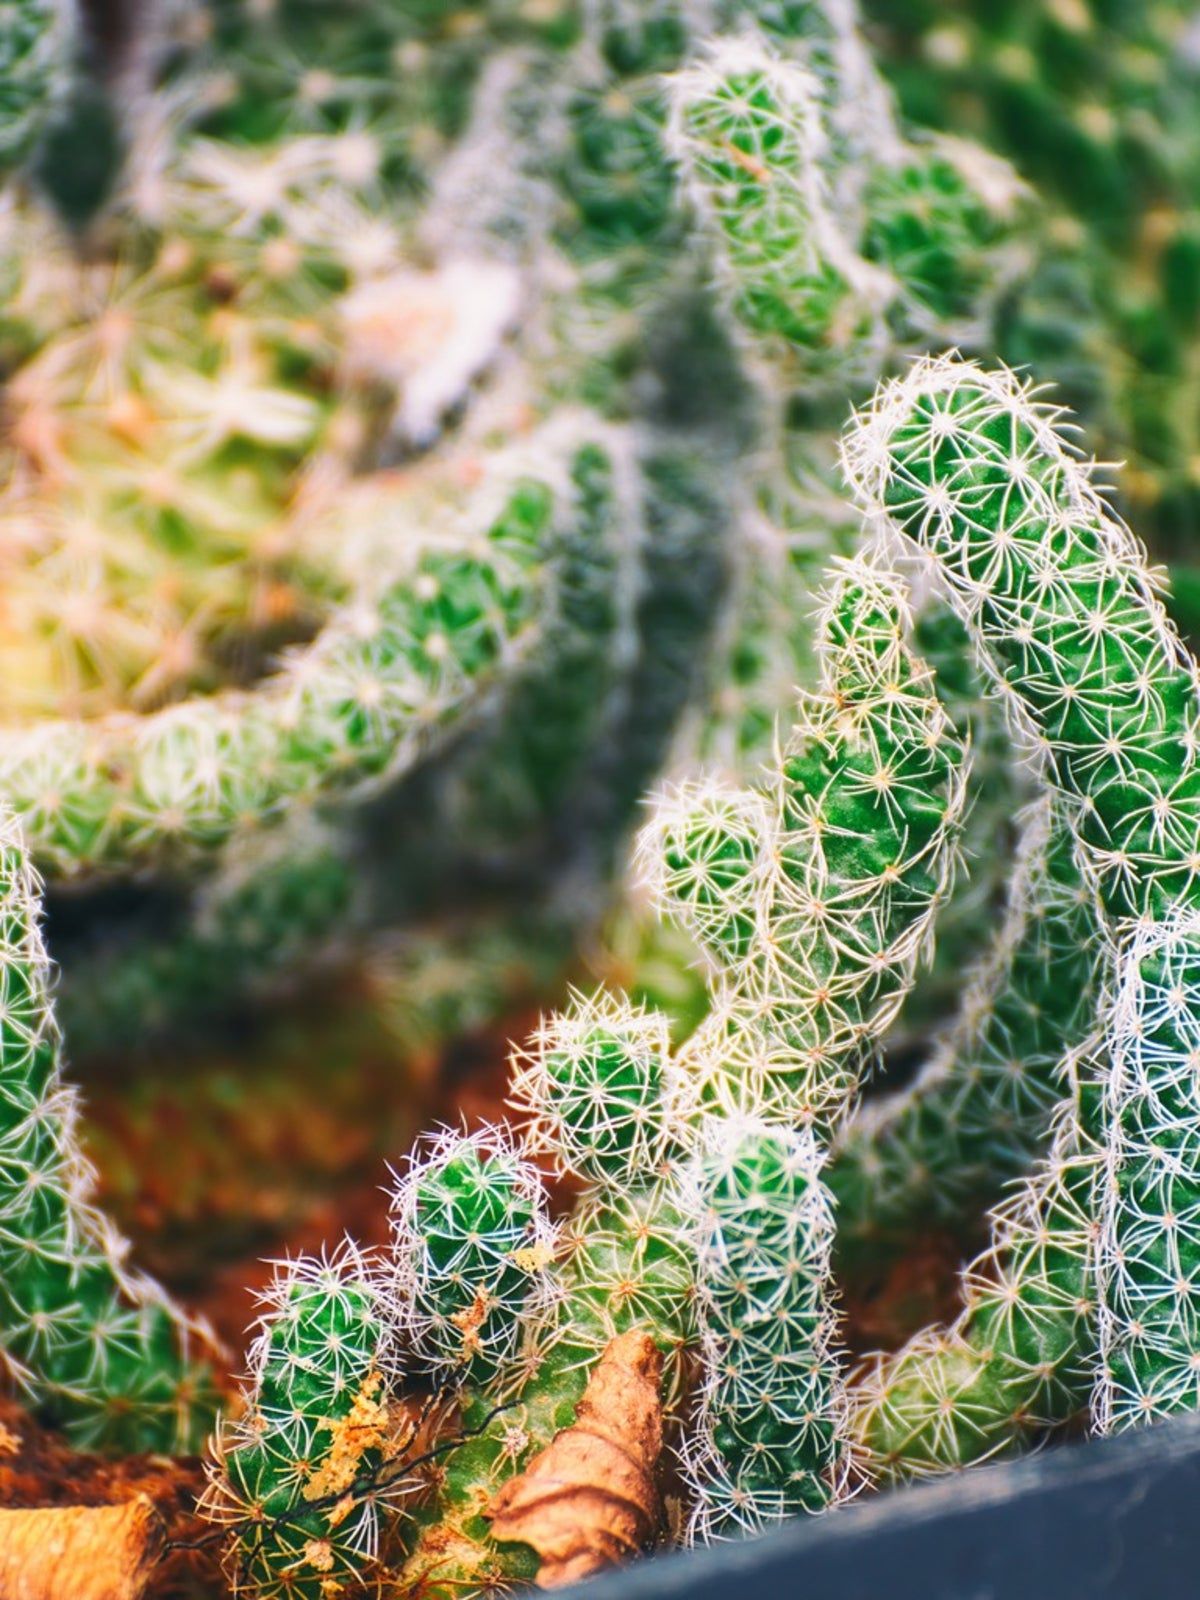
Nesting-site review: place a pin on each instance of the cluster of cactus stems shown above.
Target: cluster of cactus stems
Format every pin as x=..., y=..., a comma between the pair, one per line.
x=501, y=654
x=1087, y=1279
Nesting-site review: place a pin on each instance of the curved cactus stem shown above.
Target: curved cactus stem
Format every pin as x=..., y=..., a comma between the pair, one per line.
x=969, y=466
x=351, y=713
x=99, y=1350
x=471, y=1246
x=1019, y=1358
x=971, y=469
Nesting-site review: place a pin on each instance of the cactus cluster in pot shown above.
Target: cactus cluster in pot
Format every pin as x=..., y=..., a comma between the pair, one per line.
x=396, y=480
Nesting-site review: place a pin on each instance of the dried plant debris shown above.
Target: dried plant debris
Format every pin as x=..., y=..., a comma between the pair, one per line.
x=590, y=1500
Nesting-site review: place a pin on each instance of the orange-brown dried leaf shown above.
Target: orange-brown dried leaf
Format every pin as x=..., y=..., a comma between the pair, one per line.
x=80, y=1552
x=589, y=1499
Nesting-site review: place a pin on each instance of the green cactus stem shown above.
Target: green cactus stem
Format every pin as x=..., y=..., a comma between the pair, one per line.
x=99, y=1350
x=768, y=1443
x=1149, y=1256
x=301, y=1479
x=969, y=467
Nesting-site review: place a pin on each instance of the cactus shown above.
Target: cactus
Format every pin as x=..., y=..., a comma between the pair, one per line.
x=470, y=1246
x=1093, y=104
x=37, y=39
x=818, y=899
x=303, y=1478
x=359, y=704
x=99, y=1350
x=768, y=1439
x=1146, y=1257
x=839, y=243
x=625, y=1264
x=967, y=465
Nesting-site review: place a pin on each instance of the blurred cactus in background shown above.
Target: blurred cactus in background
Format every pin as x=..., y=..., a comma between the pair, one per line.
x=1095, y=105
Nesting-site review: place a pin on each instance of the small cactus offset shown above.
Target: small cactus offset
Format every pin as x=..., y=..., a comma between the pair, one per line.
x=305, y=1476
x=471, y=1250
x=769, y=1440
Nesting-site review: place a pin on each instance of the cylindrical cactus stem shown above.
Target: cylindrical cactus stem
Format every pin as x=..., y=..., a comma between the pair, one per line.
x=37, y=42
x=471, y=1250
x=1149, y=1198
x=100, y=1351
x=856, y=860
x=1055, y=591
x=747, y=130
x=968, y=465
x=601, y=1078
x=979, y=1111
x=769, y=1440
x=302, y=1479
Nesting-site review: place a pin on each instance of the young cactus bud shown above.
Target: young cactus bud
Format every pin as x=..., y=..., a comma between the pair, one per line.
x=300, y=1479
x=471, y=1245
x=704, y=859
x=596, y=1082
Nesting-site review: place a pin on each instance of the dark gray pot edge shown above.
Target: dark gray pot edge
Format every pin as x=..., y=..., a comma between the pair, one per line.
x=1115, y=1518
